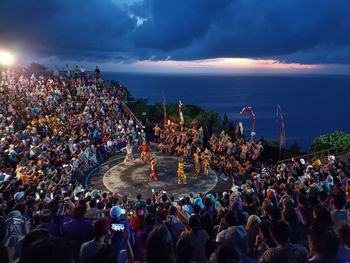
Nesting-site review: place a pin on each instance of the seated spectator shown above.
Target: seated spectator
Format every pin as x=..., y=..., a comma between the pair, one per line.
x=93, y=210
x=225, y=254
x=298, y=230
x=46, y=222
x=198, y=236
x=185, y=251
x=233, y=234
x=343, y=231
x=142, y=235
x=4, y=257
x=136, y=220
x=32, y=237
x=324, y=245
x=106, y=254
x=159, y=246
x=304, y=211
x=174, y=224
x=17, y=226
x=53, y=250
x=284, y=251
x=140, y=203
x=252, y=228
x=89, y=249
x=322, y=217
x=78, y=230
x=339, y=213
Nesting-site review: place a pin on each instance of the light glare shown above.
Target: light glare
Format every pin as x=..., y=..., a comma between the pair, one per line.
x=6, y=58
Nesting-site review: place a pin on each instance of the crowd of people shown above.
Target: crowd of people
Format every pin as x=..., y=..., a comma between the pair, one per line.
x=54, y=128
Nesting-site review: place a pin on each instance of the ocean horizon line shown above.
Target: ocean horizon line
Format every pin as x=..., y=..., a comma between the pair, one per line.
x=227, y=74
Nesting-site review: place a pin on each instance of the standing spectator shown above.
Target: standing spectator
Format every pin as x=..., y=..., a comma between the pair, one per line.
x=118, y=217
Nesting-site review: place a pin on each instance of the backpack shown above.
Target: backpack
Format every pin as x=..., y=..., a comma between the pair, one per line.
x=14, y=227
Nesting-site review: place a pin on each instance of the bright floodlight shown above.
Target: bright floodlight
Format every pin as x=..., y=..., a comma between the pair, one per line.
x=6, y=58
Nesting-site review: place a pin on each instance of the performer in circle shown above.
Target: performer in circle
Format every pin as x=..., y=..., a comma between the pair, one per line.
x=144, y=152
x=181, y=171
x=206, y=161
x=154, y=172
x=128, y=150
x=197, y=163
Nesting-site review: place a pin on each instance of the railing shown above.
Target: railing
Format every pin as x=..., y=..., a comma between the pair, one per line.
x=126, y=108
x=321, y=154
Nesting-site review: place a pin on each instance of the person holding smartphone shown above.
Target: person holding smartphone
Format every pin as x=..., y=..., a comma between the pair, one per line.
x=120, y=225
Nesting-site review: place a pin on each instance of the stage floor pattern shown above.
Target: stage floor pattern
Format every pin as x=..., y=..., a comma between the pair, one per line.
x=134, y=177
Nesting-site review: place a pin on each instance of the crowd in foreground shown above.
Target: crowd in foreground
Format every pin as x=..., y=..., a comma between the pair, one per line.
x=54, y=128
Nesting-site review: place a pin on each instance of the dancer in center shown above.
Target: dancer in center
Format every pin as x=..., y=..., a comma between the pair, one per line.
x=206, y=157
x=197, y=163
x=154, y=172
x=145, y=155
x=128, y=150
x=181, y=172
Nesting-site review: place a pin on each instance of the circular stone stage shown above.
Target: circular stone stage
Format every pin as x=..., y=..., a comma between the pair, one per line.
x=133, y=178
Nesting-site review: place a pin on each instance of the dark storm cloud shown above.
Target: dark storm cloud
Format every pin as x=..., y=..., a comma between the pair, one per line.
x=105, y=30
x=70, y=29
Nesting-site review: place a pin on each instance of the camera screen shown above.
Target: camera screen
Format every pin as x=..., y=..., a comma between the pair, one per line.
x=118, y=227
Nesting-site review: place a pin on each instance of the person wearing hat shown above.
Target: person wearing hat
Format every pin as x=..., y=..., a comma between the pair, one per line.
x=19, y=196
x=117, y=215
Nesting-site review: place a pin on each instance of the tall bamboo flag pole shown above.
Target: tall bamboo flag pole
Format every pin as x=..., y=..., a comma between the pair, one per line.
x=164, y=109
x=182, y=121
x=282, y=128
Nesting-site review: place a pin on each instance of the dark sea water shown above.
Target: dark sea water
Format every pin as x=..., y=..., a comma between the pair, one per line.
x=311, y=105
